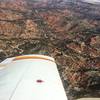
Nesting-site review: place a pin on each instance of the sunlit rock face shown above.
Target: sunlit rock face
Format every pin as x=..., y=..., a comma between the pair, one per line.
x=14, y=21
x=68, y=30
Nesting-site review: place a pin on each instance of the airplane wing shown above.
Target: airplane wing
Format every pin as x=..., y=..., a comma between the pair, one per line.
x=30, y=77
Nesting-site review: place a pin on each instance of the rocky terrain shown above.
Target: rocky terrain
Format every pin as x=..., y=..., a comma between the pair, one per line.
x=67, y=30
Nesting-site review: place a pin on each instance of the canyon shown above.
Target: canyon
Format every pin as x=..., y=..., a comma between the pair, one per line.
x=68, y=30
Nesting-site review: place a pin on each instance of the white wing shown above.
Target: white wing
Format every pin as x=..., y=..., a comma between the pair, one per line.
x=31, y=79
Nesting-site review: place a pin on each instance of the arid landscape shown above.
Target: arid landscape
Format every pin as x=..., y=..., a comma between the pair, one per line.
x=68, y=30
